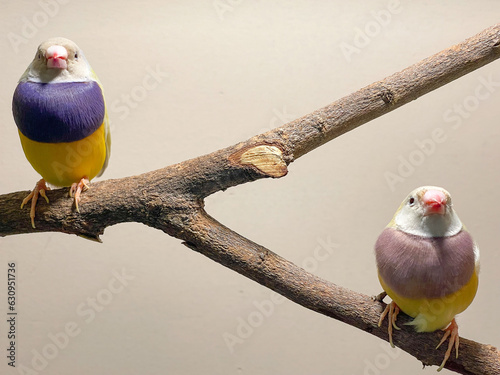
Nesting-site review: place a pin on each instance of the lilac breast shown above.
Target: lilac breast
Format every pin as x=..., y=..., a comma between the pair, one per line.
x=58, y=112
x=417, y=267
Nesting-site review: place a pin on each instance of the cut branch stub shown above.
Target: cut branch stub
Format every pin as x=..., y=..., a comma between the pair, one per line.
x=267, y=159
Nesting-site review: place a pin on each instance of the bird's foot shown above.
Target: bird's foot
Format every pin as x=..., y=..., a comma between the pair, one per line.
x=76, y=190
x=39, y=189
x=393, y=310
x=452, y=332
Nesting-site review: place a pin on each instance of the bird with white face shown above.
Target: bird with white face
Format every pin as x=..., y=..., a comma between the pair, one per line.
x=60, y=113
x=428, y=264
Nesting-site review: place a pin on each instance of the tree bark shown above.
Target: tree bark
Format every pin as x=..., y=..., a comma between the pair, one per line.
x=172, y=200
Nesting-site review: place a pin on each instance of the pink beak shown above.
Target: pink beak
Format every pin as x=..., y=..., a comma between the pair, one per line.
x=434, y=202
x=56, y=57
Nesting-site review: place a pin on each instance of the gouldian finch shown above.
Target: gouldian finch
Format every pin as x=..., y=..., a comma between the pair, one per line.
x=60, y=112
x=428, y=264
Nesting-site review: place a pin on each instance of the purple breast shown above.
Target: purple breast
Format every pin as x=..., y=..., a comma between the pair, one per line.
x=417, y=267
x=58, y=112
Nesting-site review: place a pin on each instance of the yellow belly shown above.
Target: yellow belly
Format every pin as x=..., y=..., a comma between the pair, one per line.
x=433, y=314
x=62, y=164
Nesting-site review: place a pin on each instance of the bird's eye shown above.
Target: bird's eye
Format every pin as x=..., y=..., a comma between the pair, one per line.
x=411, y=201
x=39, y=56
x=76, y=55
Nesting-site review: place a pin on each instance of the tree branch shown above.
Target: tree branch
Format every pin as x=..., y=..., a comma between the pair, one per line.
x=172, y=200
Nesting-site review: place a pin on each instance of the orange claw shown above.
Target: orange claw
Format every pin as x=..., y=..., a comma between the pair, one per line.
x=452, y=332
x=39, y=189
x=393, y=311
x=76, y=190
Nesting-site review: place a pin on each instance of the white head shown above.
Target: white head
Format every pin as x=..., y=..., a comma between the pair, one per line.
x=428, y=212
x=58, y=60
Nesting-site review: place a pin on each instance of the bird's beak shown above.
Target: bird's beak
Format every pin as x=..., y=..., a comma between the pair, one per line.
x=434, y=202
x=57, y=57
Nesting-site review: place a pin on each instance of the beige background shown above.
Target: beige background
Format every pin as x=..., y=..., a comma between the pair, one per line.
x=226, y=70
